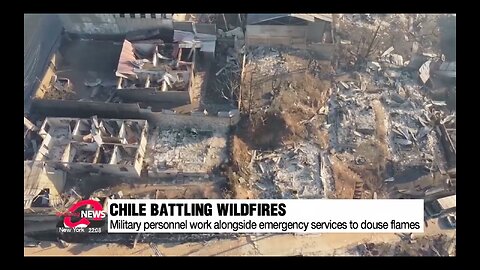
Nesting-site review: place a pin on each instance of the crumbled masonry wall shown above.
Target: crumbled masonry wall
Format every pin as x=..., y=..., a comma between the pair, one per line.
x=109, y=23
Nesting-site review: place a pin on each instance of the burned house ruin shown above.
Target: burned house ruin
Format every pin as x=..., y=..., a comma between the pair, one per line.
x=109, y=146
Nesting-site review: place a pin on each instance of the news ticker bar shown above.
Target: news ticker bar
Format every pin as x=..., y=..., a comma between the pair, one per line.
x=265, y=216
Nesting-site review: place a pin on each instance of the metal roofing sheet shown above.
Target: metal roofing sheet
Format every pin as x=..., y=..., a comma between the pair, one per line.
x=258, y=18
x=207, y=41
x=127, y=55
x=448, y=202
x=35, y=179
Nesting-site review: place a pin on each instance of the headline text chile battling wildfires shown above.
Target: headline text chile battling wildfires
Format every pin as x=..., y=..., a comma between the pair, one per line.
x=198, y=209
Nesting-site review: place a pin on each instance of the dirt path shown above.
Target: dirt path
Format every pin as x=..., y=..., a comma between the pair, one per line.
x=382, y=137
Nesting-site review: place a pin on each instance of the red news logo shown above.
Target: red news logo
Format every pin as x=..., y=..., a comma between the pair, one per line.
x=96, y=213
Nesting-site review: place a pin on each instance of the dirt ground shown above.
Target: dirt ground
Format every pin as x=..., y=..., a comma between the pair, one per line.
x=87, y=60
x=382, y=138
x=268, y=245
x=283, y=106
x=345, y=179
x=242, y=156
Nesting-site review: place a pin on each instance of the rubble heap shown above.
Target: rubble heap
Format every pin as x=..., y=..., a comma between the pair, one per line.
x=186, y=150
x=269, y=61
x=355, y=119
x=392, y=100
x=439, y=245
x=292, y=171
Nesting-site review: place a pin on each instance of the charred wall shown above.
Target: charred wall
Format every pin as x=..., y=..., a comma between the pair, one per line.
x=151, y=95
x=41, y=34
x=111, y=24
x=67, y=108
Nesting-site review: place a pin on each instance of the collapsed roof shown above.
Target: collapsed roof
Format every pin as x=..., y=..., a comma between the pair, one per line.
x=153, y=59
x=311, y=17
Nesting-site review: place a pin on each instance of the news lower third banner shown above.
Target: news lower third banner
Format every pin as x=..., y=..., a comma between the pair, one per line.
x=265, y=216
